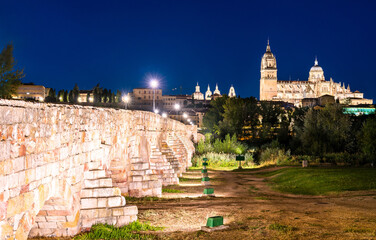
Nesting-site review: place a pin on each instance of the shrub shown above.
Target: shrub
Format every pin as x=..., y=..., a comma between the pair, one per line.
x=222, y=160
x=228, y=145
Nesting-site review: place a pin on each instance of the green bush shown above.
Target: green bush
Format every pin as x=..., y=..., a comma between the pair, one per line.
x=228, y=145
x=275, y=156
x=216, y=160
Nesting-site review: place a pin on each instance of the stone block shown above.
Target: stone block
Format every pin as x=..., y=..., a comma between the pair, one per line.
x=89, y=213
x=56, y=218
x=114, y=201
x=87, y=203
x=123, y=220
x=51, y=225
x=130, y=210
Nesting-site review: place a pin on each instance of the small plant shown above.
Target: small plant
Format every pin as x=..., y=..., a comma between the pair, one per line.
x=169, y=190
x=141, y=199
x=261, y=198
x=281, y=228
x=222, y=160
x=107, y=232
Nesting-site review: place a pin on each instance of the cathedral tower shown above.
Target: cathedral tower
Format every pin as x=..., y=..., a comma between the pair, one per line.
x=268, y=80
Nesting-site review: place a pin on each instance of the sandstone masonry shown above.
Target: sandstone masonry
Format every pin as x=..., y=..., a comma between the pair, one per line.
x=64, y=168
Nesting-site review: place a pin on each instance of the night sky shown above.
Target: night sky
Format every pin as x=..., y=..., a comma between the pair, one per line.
x=120, y=44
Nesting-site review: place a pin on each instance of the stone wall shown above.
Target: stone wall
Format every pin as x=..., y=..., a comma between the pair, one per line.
x=66, y=167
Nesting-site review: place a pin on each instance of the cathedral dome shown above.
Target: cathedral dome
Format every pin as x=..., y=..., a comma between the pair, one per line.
x=316, y=67
x=316, y=72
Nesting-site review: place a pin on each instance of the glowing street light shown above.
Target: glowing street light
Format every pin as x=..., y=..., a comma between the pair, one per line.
x=164, y=115
x=154, y=85
x=125, y=99
x=177, y=106
x=185, y=115
x=156, y=111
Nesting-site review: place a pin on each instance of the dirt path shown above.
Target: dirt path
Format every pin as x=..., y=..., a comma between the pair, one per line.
x=254, y=211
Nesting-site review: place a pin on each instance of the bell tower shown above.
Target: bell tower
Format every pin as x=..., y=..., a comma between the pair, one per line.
x=268, y=80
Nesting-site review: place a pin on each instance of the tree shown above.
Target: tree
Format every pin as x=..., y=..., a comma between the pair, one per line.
x=51, y=96
x=97, y=92
x=10, y=78
x=271, y=115
x=75, y=94
x=60, y=96
x=368, y=140
x=214, y=115
x=105, y=96
x=239, y=114
x=325, y=131
x=118, y=96
x=70, y=96
x=65, y=96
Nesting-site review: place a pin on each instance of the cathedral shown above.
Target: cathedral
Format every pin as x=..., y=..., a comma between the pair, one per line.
x=272, y=89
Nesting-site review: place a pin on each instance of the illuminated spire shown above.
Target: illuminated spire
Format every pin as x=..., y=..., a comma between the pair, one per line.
x=316, y=62
x=268, y=47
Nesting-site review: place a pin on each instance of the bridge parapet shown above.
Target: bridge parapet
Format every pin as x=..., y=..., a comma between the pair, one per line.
x=47, y=158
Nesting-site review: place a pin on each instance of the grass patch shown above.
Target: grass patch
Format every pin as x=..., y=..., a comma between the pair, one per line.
x=321, y=181
x=183, y=179
x=107, y=232
x=141, y=199
x=359, y=230
x=169, y=190
x=281, y=228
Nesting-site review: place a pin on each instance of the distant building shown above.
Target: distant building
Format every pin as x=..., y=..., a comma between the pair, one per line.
x=31, y=92
x=197, y=95
x=272, y=89
x=232, y=93
x=142, y=98
x=208, y=94
x=85, y=96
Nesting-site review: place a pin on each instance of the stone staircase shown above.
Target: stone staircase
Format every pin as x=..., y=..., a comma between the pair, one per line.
x=119, y=175
x=179, y=150
x=164, y=170
x=143, y=181
x=101, y=202
x=171, y=158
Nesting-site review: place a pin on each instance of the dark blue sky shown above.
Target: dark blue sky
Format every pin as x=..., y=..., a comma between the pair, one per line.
x=120, y=43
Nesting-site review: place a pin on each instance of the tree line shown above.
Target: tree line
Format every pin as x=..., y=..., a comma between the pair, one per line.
x=97, y=95
x=322, y=132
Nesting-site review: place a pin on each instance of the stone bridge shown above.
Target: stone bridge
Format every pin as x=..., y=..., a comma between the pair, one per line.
x=64, y=168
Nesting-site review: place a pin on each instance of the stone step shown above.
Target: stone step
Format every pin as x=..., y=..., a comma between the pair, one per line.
x=94, y=165
x=102, y=202
x=98, y=183
x=141, y=178
x=141, y=172
x=100, y=192
x=140, y=166
x=109, y=212
x=94, y=174
x=145, y=185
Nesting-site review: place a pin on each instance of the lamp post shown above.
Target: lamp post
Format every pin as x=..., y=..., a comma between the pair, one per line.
x=125, y=99
x=154, y=84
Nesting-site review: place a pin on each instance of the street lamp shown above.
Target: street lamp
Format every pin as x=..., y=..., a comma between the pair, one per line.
x=156, y=111
x=125, y=99
x=177, y=106
x=185, y=115
x=154, y=85
x=164, y=115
